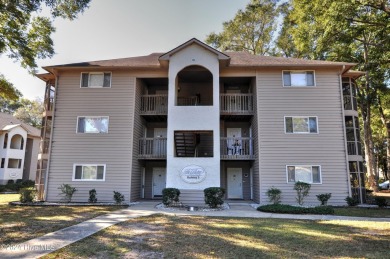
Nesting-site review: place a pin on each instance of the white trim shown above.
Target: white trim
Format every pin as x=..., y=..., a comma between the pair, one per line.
x=95, y=86
x=319, y=166
x=88, y=180
x=308, y=117
x=77, y=124
x=297, y=71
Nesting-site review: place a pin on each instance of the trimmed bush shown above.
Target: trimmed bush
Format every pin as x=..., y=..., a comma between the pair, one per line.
x=213, y=196
x=323, y=198
x=67, y=191
x=2, y=188
x=380, y=201
x=92, y=196
x=302, y=191
x=274, y=195
x=351, y=201
x=282, y=208
x=118, y=197
x=170, y=195
x=27, y=194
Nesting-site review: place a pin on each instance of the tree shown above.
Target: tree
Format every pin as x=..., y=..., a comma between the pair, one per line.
x=30, y=112
x=24, y=35
x=250, y=30
x=8, y=91
x=349, y=30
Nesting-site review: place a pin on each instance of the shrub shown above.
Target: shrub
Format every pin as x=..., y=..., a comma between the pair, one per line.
x=92, y=196
x=170, y=195
x=323, y=198
x=118, y=197
x=351, y=201
x=302, y=191
x=28, y=183
x=380, y=201
x=274, y=195
x=2, y=188
x=67, y=190
x=27, y=194
x=10, y=181
x=213, y=196
x=282, y=208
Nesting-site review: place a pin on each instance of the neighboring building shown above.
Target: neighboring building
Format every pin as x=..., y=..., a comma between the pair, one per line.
x=195, y=117
x=19, y=149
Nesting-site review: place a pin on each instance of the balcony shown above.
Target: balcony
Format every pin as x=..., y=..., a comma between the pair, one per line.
x=354, y=148
x=237, y=148
x=156, y=104
x=236, y=104
x=152, y=148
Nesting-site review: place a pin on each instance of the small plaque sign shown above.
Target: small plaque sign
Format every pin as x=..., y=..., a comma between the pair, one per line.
x=13, y=174
x=193, y=174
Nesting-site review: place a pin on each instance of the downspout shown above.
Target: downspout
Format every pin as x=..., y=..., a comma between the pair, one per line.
x=344, y=131
x=51, y=134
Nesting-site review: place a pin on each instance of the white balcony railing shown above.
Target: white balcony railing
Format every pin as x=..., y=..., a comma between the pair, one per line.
x=236, y=148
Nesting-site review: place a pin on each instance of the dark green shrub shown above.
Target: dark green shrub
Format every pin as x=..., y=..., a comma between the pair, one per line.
x=274, y=195
x=92, y=196
x=28, y=183
x=380, y=201
x=118, y=197
x=170, y=195
x=351, y=201
x=323, y=198
x=213, y=196
x=282, y=208
x=68, y=191
x=302, y=191
x=10, y=181
x=2, y=188
x=27, y=194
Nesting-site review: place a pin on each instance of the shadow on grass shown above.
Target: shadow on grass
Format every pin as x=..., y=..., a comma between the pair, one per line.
x=199, y=237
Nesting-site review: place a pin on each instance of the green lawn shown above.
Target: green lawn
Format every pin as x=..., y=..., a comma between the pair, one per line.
x=160, y=236
x=18, y=224
x=362, y=212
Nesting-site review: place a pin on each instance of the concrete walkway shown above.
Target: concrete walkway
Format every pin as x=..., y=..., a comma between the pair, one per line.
x=48, y=243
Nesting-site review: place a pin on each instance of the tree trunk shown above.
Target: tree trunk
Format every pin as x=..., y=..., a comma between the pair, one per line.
x=386, y=124
x=369, y=149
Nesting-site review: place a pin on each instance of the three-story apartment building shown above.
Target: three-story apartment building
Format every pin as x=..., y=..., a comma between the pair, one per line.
x=195, y=117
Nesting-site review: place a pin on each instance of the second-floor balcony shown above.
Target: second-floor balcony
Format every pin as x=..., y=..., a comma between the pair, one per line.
x=236, y=148
x=354, y=148
x=152, y=148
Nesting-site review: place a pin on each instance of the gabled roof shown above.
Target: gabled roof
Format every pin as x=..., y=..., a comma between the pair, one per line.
x=8, y=122
x=220, y=55
x=228, y=58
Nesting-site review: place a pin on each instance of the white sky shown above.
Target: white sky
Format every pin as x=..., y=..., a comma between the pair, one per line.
x=124, y=28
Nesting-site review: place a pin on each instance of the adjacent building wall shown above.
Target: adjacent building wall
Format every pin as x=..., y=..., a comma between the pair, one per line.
x=113, y=149
x=278, y=149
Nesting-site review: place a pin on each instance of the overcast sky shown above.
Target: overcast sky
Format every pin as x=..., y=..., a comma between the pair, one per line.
x=125, y=28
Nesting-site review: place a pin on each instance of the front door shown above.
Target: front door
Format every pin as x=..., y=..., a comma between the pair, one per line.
x=159, y=181
x=159, y=144
x=234, y=183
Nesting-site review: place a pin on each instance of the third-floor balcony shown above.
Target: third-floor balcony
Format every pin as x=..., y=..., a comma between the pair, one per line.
x=156, y=104
x=152, y=148
x=236, y=104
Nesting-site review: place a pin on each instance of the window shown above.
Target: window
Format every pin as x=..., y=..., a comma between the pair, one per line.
x=96, y=79
x=301, y=124
x=92, y=124
x=87, y=172
x=298, y=78
x=304, y=173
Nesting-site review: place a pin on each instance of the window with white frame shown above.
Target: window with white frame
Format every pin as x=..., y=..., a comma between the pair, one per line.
x=89, y=172
x=92, y=124
x=304, y=173
x=96, y=79
x=298, y=78
x=301, y=124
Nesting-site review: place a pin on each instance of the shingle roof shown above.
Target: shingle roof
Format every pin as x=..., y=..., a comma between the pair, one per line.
x=7, y=121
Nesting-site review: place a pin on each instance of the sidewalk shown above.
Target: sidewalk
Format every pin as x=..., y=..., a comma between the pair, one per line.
x=56, y=240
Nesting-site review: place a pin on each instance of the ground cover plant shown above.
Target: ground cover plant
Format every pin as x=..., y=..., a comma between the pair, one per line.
x=283, y=208
x=161, y=236
x=21, y=223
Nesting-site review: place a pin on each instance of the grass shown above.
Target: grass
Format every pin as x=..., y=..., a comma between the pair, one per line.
x=362, y=212
x=18, y=224
x=160, y=236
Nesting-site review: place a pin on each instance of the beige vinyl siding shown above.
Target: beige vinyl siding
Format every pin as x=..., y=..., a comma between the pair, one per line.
x=278, y=149
x=113, y=149
x=136, y=174
x=256, y=153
